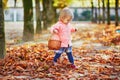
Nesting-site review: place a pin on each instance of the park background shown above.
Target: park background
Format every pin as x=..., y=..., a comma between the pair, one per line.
x=24, y=34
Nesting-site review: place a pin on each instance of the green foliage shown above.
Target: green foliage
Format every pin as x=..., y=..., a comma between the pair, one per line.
x=86, y=14
x=87, y=3
x=4, y=3
x=62, y=3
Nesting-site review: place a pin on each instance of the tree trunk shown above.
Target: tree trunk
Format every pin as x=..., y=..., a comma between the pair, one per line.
x=28, y=32
x=103, y=12
x=108, y=12
x=2, y=32
x=116, y=12
x=45, y=9
x=55, y=14
x=99, y=17
x=51, y=13
x=38, y=17
x=96, y=15
x=92, y=10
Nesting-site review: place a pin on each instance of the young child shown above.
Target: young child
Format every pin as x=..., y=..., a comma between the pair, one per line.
x=62, y=31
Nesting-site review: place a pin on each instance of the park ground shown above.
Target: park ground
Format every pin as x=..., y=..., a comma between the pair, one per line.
x=96, y=55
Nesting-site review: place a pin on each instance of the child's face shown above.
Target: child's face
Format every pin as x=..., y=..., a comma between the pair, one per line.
x=66, y=20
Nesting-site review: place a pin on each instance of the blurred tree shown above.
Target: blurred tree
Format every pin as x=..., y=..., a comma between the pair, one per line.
x=44, y=15
x=92, y=11
x=116, y=12
x=2, y=32
x=52, y=15
x=15, y=3
x=99, y=11
x=108, y=12
x=76, y=15
x=28, y=32
x=103, y=11
x=49, y=13
x=96, y=15
x=38, y=17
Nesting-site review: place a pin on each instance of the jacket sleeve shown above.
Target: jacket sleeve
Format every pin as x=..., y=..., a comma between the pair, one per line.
x=54, y=28
x=73, y=29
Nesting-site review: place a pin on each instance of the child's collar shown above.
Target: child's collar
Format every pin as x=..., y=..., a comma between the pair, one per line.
x=62, y=22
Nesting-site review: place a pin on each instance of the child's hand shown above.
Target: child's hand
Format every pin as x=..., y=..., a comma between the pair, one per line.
x=76, y=29
x=55, y=31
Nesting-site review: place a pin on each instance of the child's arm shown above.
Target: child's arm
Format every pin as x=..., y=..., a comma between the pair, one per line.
x=73, y=29
x=54, y=29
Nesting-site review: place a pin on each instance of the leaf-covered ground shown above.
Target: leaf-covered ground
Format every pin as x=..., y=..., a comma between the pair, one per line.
x=95, y=49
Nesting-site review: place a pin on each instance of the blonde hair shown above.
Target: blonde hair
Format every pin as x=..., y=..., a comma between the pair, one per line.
x=65, y=12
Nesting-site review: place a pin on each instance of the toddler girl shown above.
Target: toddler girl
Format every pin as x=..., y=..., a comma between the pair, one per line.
x=62, y=31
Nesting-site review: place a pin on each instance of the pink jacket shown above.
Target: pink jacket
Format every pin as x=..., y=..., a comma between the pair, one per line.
x=63, y=33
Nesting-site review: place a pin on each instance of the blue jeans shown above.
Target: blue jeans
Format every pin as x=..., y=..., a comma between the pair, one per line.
x=68, y=51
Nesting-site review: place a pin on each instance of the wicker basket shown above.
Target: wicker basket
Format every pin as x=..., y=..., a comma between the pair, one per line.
x=54, y=44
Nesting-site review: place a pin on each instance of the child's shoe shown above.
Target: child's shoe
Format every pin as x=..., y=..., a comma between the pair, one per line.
x=73, y=66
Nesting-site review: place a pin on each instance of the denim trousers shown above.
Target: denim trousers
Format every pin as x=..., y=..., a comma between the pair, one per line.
x=67, y=50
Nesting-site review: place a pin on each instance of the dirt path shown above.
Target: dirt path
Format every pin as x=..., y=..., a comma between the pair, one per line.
x=14, y=32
